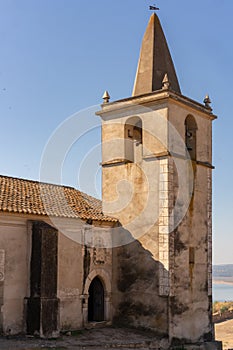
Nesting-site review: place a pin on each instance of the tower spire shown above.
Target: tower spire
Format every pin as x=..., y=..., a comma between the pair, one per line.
x=155, y=61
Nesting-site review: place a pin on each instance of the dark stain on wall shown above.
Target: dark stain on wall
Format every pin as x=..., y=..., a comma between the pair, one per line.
x=179, y=246
x=140, y=304
x=1, y=304
x=129, y=308
x=136, y=265
x=86, y=264
x=176, y=307
x=43, y=304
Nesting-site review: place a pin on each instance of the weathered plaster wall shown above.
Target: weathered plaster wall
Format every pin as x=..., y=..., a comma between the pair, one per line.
x=136, y=297
x=131, y=193
x=70, y=282
x=13, y=241
x=83, y=253
x=191, y=304
x=97, y=257
x=80, y=259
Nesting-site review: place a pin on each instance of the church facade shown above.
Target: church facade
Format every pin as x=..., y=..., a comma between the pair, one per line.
x=52, y=255
x=142, y=257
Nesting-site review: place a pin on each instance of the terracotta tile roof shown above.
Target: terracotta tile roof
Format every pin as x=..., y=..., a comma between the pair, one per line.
x=33, y=197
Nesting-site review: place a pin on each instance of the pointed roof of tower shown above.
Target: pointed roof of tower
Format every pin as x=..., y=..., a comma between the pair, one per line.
x=155, y=61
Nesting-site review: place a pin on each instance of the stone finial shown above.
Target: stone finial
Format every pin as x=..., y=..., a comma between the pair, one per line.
x=106, y=97
x=165, y=83
x=207, y=101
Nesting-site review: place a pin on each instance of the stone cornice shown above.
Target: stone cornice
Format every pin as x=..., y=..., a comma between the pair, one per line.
x=152, y=99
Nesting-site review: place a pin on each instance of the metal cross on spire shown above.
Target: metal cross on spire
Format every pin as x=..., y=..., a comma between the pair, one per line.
x=153, y=8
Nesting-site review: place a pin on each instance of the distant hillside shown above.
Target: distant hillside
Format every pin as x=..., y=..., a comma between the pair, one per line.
x=223, y=270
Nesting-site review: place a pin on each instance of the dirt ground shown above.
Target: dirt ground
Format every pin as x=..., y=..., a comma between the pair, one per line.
x=96, y=339
x=224, y=332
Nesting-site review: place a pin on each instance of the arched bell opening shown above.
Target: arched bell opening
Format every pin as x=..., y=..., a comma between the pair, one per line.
x=190, y=136
x=133, y=139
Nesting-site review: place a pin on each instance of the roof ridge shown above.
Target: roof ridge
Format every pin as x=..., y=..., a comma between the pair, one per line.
x=38, y=182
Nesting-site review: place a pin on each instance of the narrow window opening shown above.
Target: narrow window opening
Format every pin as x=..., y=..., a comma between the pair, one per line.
x=191, y=256
x=190, y=136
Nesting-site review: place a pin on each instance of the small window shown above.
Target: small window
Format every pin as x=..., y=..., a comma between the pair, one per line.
x=190, y=136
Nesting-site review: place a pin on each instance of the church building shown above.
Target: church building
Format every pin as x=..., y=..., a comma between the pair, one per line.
x=143, y=256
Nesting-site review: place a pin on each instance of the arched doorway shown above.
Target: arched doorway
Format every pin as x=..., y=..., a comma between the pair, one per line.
x=96, y=301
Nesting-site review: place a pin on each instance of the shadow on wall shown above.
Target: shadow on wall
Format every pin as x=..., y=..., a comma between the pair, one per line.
x=136, y=277
x=140, y=302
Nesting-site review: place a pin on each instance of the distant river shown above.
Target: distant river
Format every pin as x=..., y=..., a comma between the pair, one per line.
x=222, y=292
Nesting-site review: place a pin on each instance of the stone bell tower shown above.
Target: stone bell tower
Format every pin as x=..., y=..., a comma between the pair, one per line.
x=157, y=178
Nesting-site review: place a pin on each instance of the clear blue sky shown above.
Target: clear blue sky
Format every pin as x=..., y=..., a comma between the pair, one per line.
x=58, y=57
